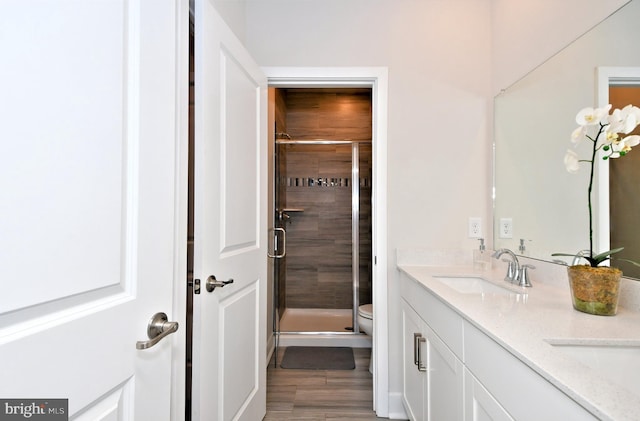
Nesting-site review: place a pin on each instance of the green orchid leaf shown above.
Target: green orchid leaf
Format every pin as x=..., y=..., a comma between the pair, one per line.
x=599, y=258
x=630, y=261
x=608, y=253
x=596, y=260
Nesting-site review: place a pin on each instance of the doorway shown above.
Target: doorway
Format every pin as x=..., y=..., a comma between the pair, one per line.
x=322, y=186
x=616, y=206
x=375, y=78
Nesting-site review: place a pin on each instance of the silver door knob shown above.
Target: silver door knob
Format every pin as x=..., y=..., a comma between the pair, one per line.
x=212, y=283
x=159, y=327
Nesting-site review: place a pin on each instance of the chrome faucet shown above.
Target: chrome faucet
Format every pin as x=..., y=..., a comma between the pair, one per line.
x=515, y=272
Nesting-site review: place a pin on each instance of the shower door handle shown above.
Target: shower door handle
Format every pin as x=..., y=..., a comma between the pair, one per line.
x=275, y=254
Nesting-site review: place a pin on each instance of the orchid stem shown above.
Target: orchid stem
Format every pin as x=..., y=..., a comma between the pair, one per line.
x=593, y=161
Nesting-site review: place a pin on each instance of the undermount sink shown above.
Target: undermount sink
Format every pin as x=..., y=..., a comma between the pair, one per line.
x=472, y=285
x=619, y=363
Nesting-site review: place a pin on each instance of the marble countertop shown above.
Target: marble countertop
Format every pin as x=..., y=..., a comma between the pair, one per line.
x=527, y=322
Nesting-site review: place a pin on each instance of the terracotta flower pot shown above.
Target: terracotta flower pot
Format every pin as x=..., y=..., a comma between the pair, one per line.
x=595, y=290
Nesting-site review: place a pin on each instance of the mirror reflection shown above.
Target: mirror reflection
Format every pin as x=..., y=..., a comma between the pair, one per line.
x=546, y=206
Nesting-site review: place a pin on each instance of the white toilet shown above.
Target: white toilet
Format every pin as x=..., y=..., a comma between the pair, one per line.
x=365, y=323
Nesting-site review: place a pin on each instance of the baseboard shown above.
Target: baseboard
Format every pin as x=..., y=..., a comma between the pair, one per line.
x=396, y=408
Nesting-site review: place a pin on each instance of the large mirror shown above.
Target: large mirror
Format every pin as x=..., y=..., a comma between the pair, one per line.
x=539, y=207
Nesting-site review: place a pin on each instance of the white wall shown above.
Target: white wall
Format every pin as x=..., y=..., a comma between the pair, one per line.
x=438, y=57
x=525, y=33
x=233, y=13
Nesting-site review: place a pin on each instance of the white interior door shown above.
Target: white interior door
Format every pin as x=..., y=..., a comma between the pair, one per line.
x=89, y=165
x=229, y=348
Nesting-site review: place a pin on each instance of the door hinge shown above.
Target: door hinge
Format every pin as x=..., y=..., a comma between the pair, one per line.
x=196, y=286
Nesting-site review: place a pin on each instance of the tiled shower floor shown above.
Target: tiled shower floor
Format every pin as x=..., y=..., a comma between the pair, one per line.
x=315, y=320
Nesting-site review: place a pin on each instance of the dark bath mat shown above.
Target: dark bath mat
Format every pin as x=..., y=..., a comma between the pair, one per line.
x=318, y=358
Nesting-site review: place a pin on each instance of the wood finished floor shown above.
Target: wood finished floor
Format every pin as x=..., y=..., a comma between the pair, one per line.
x=318, y=395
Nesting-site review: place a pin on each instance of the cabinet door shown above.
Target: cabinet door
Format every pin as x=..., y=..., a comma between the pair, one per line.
x=445, y=380
x=413, y=380
x=480, y=405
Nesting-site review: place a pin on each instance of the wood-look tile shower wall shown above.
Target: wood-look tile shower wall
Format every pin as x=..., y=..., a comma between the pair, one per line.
x=318, y=263
x=328, y=114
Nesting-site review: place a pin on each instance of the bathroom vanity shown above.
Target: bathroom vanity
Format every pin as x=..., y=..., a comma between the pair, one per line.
x=478, y=348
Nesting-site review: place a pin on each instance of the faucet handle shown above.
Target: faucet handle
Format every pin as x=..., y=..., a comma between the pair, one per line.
x=511, y=271
x=524, y=275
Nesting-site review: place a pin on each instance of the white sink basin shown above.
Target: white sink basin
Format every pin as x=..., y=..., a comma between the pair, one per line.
x=619, y=363
x=472, y=285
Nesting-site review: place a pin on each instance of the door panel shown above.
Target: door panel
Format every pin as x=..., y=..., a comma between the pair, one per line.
x=88, y=174
x=240, y=156
x=52, y=210
x=230, y=225
x=240, y=345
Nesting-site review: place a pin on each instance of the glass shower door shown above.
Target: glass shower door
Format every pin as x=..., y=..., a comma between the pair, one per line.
x=315, y=287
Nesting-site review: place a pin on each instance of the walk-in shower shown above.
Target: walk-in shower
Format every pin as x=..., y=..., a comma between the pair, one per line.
x=323, y=212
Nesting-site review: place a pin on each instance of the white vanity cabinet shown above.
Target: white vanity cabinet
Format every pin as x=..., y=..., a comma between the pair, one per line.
x=454, y=371
x=433, y=376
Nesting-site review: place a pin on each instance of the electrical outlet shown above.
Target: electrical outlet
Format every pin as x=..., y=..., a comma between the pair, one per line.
x=506, y=228
x=475, y=227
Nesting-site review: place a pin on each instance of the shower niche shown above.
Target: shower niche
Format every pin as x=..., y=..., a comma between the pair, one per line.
x=323, y=190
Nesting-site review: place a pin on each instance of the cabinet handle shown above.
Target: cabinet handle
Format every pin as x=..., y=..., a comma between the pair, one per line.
x=421, y=367
x=416, y=347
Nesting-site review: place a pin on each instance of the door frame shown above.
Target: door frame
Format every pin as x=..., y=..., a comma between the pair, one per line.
x=377, y=79
x=605, y=77
x=181, y=210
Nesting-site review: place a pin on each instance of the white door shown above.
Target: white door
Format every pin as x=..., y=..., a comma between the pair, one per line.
x=89, y=170
x=229, y=348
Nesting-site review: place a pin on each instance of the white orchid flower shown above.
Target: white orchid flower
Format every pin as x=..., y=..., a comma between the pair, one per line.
x=632, y=140
x=571, y=162
x=578, y=135
x=635, y=111
x=611, y=136
x=622, y=121
x=590, y=116
x=597, y=125
x=631, y=118
x=624, y=146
